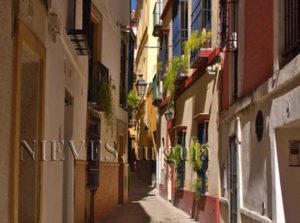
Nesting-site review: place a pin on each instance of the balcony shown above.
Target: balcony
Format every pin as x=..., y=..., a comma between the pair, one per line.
x=79, y=35
x=157, y=22
x=200, y=55
x=156, y=90
x=98, y=82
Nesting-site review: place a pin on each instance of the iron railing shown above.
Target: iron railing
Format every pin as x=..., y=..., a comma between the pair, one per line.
x=98, y=76
x=80, y=37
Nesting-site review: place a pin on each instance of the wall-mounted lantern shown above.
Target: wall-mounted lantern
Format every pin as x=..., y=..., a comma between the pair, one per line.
x=141, y=86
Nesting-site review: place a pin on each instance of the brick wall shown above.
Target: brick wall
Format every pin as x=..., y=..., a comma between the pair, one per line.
x=80, y=191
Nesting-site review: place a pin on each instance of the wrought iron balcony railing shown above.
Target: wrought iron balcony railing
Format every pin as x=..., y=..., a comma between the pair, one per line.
x=79, y=35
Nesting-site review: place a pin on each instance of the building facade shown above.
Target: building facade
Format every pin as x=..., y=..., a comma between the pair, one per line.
x=259, y=114
x=111, y=68
x=239, y=96
x=46, y=78
x=146, y=68
x=194, y=104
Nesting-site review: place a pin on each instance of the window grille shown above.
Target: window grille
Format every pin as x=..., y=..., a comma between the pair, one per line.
x=292, y=27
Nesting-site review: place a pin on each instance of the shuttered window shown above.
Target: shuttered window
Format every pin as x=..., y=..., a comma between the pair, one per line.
x=201, y=15
x=203, y=132
x=180, y=26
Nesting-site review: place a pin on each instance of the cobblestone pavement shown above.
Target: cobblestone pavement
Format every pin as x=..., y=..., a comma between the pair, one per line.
x=146, y=206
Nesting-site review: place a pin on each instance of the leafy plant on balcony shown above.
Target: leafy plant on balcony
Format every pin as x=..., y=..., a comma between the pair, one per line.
x=195, y=41
x=180, y=64
x=132, y=99
x=198, y=153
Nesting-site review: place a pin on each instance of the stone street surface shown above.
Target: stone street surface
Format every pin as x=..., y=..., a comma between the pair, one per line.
x=145, y=205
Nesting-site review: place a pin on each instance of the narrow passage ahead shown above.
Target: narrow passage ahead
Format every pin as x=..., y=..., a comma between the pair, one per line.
x=146, y=206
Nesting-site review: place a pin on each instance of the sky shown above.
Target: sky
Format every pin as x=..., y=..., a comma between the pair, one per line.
x=133, y=4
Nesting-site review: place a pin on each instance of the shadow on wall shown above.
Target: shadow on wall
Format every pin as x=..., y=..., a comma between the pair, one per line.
x=132, y=211
x=145, y=169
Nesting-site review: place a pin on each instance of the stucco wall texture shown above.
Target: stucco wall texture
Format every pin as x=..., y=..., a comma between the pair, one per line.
x=6, y=86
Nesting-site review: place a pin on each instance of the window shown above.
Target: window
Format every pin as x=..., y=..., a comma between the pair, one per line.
x=294, y=157
x=164, y=52
x=203, y=132
x=123, y=90
x=180, y=26
x=181, y=134
x=201, y=15
x=292, y=27
x=229, y=15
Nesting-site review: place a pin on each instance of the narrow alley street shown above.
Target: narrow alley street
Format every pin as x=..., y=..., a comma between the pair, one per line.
x=145, y=205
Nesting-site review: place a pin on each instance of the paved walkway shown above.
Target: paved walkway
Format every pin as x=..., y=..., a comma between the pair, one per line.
x=146, y=206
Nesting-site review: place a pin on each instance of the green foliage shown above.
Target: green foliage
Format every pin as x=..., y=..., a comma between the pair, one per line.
x=132, y=99
x=175, y=158
x=171, y=75
x=180, y=64
x=195, y=41
x=175, y=155
x=197, y=187
x=105, y=101
x=196, y=152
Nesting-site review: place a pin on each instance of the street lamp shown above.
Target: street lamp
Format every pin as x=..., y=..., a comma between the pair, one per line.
x=141, y=86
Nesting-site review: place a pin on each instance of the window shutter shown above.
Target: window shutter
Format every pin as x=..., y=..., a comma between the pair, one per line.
x=176, y=28
x=202, y=132
x=196, y=22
